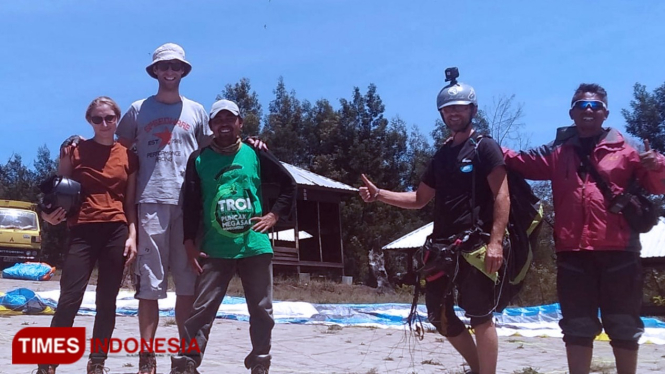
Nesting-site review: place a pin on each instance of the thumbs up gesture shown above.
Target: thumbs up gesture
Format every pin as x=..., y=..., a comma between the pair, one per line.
x=369, y=192
x=649, y=157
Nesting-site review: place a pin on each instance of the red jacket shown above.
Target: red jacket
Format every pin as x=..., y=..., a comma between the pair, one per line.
x=582, y=219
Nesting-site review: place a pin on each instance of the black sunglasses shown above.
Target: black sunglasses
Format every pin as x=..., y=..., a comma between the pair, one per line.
x=593, y=104
x=174, y=65
x=97, y=120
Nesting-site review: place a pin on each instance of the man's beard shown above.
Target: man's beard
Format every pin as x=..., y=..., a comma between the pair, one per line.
x=462, y=129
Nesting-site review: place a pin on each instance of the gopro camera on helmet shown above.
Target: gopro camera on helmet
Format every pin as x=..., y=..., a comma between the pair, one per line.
x=455, y=93
x=451, y=75
x=60, y=192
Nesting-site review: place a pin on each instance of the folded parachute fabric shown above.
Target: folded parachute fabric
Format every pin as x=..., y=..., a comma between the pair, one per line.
x=25, y=301
x=39, y=271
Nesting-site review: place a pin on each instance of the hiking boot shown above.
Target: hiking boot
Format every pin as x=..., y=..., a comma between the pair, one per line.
x=259, y=363
x=147, y=363
x=182, y=365
x=259, y=369
x=97, y=367
x=50, y=369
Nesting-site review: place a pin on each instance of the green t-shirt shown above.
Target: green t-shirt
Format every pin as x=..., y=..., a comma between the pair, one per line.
x=231, y=195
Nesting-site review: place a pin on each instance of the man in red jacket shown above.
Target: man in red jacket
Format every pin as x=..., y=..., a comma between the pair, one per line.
x=598, y=253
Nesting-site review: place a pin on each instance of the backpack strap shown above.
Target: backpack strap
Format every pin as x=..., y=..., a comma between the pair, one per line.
x=475, y=140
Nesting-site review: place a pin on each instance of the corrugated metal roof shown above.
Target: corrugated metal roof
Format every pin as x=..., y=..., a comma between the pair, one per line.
x=304, y=177
x=653, y=242
x=414, y=239
x=289, y=235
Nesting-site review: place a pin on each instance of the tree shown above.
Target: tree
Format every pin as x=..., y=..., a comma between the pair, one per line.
x=248, y=102
x=284, y=128
x=44, y=165
x=369, y=143
x=18, y=182
x=646, y=119
x=54, y=238
x=504, y=122
x=324, y=139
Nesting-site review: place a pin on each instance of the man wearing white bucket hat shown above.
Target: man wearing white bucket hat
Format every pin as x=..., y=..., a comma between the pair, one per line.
x=165, y=129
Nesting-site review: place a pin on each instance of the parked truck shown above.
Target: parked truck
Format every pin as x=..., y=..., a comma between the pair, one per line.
x=20, y=235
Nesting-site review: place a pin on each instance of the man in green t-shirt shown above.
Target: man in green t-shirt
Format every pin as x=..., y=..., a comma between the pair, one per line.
x=223, y=194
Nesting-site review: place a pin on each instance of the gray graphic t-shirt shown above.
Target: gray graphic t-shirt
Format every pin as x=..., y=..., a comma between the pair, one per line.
x=165, y=136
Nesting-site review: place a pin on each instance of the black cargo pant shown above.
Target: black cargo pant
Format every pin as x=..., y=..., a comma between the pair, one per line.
x=256, y=276
x=93, y=243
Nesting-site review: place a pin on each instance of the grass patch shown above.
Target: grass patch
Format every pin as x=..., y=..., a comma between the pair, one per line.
x=169, y=322
x=333, y=329
x=602, y=367
x=528, y=370
x=318, y=291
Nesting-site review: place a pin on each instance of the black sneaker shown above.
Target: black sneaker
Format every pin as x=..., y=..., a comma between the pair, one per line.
x=259, y=369
x=182, y=365
x=97, y=367
x=147, y=363
x=45, y=370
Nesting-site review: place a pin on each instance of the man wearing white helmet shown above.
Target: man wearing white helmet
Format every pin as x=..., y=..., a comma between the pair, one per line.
x=467, y=171
x=165, y=129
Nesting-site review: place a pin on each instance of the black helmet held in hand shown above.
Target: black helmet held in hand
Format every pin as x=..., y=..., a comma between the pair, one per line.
x=60, y=192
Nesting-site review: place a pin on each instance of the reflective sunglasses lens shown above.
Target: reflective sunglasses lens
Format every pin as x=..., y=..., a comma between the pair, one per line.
x=96, y=120
x=176, y=66
x=594, y=105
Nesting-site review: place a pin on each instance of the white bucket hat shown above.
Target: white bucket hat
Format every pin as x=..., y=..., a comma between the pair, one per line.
x=166, y=52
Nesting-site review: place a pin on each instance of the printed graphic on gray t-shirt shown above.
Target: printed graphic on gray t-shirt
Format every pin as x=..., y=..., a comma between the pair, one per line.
x=165, y=136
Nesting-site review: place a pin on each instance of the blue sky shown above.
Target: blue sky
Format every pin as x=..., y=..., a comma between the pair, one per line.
x=59, y=55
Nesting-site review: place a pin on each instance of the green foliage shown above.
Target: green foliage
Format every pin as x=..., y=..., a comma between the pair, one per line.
x=284, y=128
x=18, y=182
x=646, y=119
x=654, y=287
x=341, y=144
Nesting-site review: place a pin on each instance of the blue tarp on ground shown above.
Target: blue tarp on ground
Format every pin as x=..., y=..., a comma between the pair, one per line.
x=389, y=314
x=25, y=301
x=528, y=321
x=38, y=271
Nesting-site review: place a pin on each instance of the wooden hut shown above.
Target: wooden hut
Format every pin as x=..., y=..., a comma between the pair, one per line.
x=312, y=241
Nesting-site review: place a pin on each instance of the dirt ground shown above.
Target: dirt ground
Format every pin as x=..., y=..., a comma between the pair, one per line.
x=323, y=349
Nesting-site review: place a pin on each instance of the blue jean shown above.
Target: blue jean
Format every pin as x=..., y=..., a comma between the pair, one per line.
x=256, y=276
